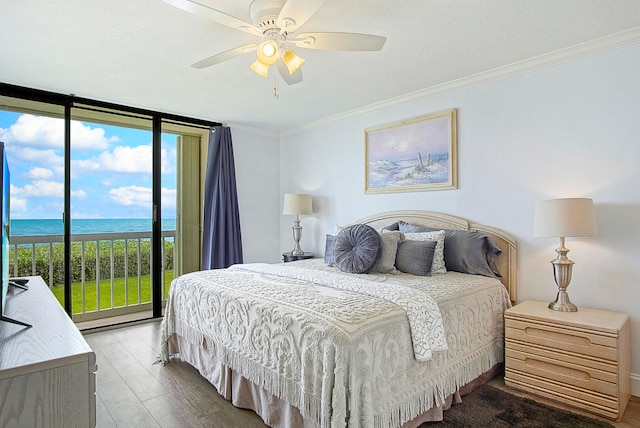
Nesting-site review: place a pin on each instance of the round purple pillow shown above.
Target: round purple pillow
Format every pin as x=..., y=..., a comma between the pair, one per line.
x=358, y=249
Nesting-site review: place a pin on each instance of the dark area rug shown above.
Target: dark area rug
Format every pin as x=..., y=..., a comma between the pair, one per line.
x=491, y=407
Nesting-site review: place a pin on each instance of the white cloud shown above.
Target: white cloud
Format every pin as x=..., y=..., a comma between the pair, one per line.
x=48, y=133
x=44, y=189
x=18, y=206
x=139, y=196
x=127, y=159
x=40, y=173
x=37, y=131
x=37, y=156
x=84, y=165
x=85, y=137
x=131, y=196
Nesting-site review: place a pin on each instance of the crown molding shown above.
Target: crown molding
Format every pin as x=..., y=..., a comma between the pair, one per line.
x=560, y=56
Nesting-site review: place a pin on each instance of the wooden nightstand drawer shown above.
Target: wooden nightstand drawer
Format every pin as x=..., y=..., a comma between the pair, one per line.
x=568, y=359
x=573, y=340
x=584, y=399
x=553, y=369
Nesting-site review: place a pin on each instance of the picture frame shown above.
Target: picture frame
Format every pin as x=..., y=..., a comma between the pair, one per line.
x=412, y=155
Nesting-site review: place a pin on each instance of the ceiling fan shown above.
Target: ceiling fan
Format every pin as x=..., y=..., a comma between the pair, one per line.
x=277, y=21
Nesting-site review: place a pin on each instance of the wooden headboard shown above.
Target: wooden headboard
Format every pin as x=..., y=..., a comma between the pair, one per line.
x=506, y=262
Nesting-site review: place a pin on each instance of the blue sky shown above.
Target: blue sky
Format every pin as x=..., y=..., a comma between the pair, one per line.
x=110, y=169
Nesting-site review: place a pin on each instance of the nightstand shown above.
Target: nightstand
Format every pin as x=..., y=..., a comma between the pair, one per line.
x=288, y=257
x=582, y=359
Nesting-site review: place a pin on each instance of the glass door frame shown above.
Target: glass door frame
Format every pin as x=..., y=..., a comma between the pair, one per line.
x=158, y=119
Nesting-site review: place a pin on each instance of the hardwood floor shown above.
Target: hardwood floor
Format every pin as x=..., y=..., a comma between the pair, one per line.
x=135, y=392
x=132, y=391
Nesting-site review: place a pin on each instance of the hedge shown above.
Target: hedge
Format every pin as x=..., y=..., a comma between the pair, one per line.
x=56, y=252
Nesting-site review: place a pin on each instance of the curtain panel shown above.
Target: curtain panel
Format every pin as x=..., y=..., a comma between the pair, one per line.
x=222, y=240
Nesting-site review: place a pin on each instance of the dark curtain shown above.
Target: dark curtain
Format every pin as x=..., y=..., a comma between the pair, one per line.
x=222, y=242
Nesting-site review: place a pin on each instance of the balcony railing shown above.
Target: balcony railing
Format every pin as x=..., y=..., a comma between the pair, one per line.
x=110, y=271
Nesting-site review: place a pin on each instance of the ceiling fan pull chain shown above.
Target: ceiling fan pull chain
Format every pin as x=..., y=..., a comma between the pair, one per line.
x=276, y=93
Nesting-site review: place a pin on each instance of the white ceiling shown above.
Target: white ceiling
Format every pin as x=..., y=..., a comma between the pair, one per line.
x=138, y=52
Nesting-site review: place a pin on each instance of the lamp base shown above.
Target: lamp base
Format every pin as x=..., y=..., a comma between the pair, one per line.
x=562, y=268
x=297, y=234
x=562, y=303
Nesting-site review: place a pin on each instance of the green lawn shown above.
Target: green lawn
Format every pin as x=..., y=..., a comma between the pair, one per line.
x=105, y=293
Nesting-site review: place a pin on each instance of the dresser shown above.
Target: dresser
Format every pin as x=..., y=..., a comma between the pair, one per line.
x=582, y=359
x=47, y=372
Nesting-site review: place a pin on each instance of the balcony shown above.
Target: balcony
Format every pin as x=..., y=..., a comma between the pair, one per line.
x=120, y=286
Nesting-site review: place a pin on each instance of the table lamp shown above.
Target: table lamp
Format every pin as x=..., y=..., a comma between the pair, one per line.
x=570, y=217
x=297, y=204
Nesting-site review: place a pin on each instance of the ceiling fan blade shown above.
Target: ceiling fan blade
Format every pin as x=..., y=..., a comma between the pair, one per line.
x=294, y=13
x=339, y=41
x=214, y=15
x=224, y=56
x=290, y=79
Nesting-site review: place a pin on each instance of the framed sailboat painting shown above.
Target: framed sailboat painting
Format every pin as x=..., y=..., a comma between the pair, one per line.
x=412, y=155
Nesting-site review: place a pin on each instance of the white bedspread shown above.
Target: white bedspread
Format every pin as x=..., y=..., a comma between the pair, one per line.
x=338, y=354
x=423, y=315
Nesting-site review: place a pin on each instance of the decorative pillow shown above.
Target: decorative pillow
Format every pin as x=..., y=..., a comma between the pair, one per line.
x=358, y=249
x=405, y=227
x=471, y=252
x=415, y=257
x=438, y=265
x=392, y=226
x=390, y=240
x=329, y=245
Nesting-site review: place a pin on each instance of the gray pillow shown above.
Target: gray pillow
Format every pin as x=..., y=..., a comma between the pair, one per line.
x=469, y=252
x=358, y=249
x=415, y=257
x=329, y=245
x=438, y=265
x=405, y=227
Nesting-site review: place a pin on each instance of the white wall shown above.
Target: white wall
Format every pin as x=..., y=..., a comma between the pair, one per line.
x=257, y=164
x=570, y=130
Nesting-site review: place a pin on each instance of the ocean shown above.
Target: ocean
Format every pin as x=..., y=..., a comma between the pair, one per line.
x=31, y=227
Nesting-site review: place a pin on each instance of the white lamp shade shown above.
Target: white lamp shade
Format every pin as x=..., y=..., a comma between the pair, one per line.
x=297, y=204
x=570, y=217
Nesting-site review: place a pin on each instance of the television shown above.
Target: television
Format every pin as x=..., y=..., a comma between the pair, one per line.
x=5, y=248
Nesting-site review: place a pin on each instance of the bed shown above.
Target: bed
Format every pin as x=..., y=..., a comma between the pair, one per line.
x=305, y=344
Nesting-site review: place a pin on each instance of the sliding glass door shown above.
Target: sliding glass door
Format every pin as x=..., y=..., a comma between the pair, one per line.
x=119, y=189
x=111, y=214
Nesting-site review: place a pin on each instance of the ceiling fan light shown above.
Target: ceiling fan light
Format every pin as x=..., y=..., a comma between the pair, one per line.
x=268, y=52
x=260, y=67
x=292, y=61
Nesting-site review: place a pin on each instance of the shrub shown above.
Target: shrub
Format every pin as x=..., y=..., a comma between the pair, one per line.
x=108, y=257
